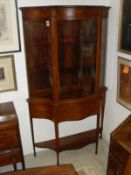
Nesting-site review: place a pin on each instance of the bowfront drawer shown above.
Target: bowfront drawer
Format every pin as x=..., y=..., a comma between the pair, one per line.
x=76, y=109
x=40, y=109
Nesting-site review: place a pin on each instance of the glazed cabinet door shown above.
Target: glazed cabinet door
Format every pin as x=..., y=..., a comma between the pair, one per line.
x=36, y=23
x=78, y=32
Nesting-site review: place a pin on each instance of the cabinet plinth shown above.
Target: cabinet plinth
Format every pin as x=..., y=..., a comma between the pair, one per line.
x=65, y=56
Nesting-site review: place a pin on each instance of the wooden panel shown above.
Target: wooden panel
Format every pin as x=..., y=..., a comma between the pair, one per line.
x=115, y=168
x=40, y=109
x=119, y=152
x=10, y=156
x=67, y=169
x=7, y=109
x=77, y=13
x=36, y=37
x=75, y=141
x=9, y=138
x=33, y=14
x=76, y=109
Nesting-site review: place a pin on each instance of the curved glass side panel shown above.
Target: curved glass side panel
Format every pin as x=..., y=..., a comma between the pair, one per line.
x=38, y=58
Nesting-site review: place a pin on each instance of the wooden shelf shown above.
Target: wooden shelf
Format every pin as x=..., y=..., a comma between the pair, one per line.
x=75, y=141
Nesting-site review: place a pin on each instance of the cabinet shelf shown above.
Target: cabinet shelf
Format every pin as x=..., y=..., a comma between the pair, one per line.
x=75, y=141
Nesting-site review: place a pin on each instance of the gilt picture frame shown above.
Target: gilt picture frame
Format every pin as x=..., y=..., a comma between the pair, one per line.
x=124, y=82
x=9, y=28
x=124, y=37
x=7, y=74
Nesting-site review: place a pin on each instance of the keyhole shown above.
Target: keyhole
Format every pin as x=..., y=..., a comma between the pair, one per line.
x=47, y=23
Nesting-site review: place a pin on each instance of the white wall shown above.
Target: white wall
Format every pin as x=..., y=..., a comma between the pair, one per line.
x=114, y=113
x=24, y=3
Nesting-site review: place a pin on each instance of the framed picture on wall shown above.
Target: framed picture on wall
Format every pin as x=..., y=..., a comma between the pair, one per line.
x=124, y=82
x=9, y=28
x=124, y=43
x=7, y=73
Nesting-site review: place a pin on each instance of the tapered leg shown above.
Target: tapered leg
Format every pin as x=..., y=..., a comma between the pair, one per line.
x=97, y=131
x=32, y=133
x=15, y=167
x=102, y=119
x=57, y=141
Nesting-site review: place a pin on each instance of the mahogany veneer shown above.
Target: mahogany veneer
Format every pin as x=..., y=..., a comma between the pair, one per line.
x=65, y=56
x=10, y=142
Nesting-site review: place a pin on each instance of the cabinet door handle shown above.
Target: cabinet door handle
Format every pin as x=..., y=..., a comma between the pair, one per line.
x=47, y=23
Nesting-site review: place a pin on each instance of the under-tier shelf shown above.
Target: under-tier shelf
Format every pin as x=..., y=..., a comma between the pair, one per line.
x=75, y=141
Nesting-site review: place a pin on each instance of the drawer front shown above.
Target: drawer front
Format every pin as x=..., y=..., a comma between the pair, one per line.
x=8, y=138
x=114, y=167
x=40, y=110
x=76, y=13
x=120, y=154
x=76, y=110
x=10, y=157
x=33, y=14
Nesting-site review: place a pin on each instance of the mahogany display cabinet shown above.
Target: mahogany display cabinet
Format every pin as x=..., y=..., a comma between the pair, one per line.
x=65, y=57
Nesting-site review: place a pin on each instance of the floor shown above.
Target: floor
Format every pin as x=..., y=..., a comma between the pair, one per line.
x=84, y=160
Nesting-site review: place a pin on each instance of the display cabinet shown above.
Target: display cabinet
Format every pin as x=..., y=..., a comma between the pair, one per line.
x=65, y=56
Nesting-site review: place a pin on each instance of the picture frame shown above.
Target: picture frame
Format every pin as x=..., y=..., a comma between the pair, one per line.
x=124, y=38
x=124, y=82
x=9, y=28
x=7, y=74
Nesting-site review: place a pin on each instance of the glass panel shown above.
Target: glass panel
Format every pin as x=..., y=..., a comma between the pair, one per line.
x=103, y=52
x=125, y=26
x=38, y=58
x=77, y=57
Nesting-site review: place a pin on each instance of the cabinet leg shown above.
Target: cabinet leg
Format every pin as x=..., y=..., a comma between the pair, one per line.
x=57, y=141
x=57, y=154
x=97, y=132
x=102, y=119
x=23, y=164
x=15, y=167
x=32, y=133
x=21, y=150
